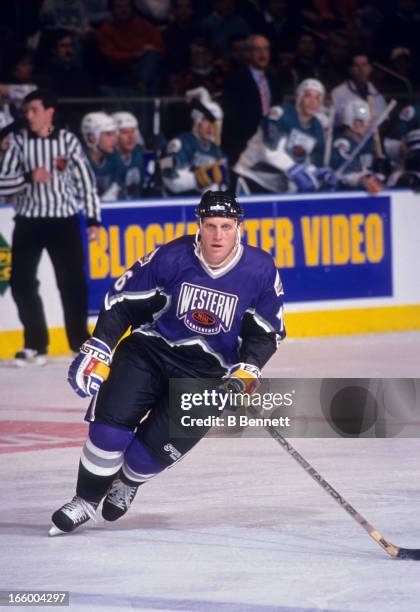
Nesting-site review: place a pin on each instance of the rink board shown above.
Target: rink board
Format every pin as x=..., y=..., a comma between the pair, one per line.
x=347, y=261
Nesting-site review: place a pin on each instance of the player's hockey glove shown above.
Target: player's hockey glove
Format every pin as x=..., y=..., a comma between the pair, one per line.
x=304, y=180
x=381, y=168
x=243, y=378
x=328, y=179
x=90, y=368
x=210, y=174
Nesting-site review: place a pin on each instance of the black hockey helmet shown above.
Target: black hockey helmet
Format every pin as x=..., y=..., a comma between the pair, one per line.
x=219, y=204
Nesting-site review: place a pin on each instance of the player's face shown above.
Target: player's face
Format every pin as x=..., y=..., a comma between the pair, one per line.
x=38, y=117
x=127, y=138
x=310, y=102
x=218, y=239
x=359, y=126
x=205, y=129
x=108, y=142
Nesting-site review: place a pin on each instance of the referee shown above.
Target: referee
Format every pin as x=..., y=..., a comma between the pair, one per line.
x=46, y=172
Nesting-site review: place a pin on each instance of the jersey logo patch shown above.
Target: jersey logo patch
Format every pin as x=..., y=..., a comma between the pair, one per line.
x=206, y=311
x=407, y=113
x=145, y=259
x=300, y=144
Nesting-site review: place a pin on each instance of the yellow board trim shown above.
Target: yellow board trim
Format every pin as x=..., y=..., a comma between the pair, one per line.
x=353, y=321
x=298, y=325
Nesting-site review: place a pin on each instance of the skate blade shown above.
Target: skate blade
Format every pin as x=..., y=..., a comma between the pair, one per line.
x=33, y=363
x=55, y=531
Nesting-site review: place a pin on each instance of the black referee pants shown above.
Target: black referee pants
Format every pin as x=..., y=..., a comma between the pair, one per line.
x=63, y=242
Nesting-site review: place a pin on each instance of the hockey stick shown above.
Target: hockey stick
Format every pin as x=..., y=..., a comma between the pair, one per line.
x=394, y=551
x=329, y=136
x=376, y=136
x=371, y=131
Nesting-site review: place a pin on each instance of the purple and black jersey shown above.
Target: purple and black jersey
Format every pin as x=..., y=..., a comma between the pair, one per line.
x=209, y=318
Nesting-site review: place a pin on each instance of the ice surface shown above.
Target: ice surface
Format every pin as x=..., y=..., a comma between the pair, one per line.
x=237, y=525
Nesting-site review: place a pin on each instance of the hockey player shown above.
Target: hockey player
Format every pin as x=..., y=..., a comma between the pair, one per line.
x=99, y=131
x=200, y=306
x=408, y=175
x=130, y=150
x=286, y=153
x=193, y=162
x=408, y=119
x=365, y=171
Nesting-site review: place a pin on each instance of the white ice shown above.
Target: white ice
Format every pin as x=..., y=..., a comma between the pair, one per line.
x=237, y=525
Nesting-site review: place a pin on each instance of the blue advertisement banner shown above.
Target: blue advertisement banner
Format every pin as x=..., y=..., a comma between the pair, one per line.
x=331, y=249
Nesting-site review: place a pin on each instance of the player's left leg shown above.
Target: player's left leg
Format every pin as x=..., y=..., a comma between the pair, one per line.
x=159, y=443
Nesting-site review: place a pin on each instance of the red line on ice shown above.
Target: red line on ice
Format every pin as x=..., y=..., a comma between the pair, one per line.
x=24, y=436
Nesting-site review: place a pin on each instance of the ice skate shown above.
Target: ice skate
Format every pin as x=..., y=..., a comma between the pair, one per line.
x=118, y=499
x=73, y=514
x=29, y=357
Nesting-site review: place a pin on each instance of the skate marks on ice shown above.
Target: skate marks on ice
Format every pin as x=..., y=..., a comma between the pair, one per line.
x=180, y=605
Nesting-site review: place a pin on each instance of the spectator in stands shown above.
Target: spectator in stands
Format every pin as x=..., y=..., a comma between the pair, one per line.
x=358, y=86
x=277, y=23
x=203, y=71
x=17, y=82
x=364, y=171
x=287, y=151
x=399, y=29
x=248, y=94
x=306, y=58
x=178, y=36
x=99, y=132
x=193, y=161
x=66, y=14
x=222, y=25
x=130, y=149
x=133, y=49
x=329, y=14
x=238, y=55
x=20, y=67
x=335, y=59
x=402, y=83
x=157, y=11
x=97, y=11
x=63, y=72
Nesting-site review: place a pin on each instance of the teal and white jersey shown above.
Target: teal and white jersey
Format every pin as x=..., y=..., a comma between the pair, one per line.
x=280, y=143
x=109, y=176
x=408, y=119
x=183, y=155
x=342, y=149
x=132, y=169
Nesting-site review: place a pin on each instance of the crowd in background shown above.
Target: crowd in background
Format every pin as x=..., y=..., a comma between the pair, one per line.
x=234, y=110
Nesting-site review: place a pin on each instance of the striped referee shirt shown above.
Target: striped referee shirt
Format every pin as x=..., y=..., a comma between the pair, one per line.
x=72, y=185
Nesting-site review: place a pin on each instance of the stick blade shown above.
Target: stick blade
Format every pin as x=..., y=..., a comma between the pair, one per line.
x=409, y=553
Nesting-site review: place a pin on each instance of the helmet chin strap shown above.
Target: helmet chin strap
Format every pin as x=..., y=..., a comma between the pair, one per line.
x=199, y=253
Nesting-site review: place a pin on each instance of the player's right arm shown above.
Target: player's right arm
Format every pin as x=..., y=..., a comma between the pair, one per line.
x=276, y=132
x=175, y=165
x=132, y=300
